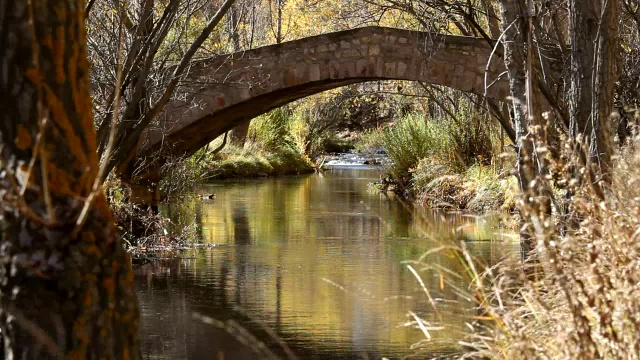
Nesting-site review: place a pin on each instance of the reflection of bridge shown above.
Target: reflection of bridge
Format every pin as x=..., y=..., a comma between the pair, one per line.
x=222, y=92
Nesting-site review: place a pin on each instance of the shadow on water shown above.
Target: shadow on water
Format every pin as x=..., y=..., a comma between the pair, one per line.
x=314, y=262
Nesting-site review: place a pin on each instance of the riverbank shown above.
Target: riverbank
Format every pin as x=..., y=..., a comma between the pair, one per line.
x=444, y=165
x=477, y=189
x=250, y=163
x=577, y=294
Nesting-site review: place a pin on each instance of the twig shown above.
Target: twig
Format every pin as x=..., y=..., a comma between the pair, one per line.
x=37, y=332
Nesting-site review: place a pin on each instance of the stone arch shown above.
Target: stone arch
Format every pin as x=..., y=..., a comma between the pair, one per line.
x=220, y=93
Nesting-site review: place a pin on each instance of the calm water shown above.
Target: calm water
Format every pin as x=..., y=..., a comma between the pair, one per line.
x=314, y=262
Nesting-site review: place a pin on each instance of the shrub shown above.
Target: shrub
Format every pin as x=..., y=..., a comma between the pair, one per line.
x=411, y=139
x=270, y=132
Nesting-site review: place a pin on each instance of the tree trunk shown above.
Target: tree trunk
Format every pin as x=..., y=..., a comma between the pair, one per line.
x=233, y=24
x=593, y=28
x=239, y=134
x=279, y=37
x=524, y=104
x=66, y=281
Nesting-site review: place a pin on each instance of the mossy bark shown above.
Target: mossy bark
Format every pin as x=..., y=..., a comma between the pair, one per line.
x=66, y=284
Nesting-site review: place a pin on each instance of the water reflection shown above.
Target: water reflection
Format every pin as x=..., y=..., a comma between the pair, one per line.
x=317, y=260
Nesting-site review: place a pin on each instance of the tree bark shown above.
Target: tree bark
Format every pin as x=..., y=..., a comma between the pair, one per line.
x=524, y=104
x=279, y=37
x=66, y=282
x=593, y=29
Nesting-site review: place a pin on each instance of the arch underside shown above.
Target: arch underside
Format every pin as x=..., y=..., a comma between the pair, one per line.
x=199, y=133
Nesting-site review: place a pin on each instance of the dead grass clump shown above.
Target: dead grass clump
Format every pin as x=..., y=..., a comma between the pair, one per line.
x=580, y=298
x=477, y=189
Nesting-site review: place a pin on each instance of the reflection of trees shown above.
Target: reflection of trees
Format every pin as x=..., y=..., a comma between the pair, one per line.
x=241, y=228
x=241, y=236
x=170, y=298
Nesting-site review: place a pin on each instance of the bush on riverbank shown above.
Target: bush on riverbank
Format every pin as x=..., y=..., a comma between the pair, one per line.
x=269, y=150
x=585, y=301
x=246, y=163
x=143, y=231
x=477, y=188
x=444, y=163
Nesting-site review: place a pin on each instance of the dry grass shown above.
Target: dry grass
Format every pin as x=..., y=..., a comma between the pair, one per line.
x=477, y=189
x=580, y=298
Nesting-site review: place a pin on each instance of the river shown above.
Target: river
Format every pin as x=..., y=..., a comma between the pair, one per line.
x=309, y=267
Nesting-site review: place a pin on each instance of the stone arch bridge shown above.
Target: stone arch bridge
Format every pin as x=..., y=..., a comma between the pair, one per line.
x=222, y=92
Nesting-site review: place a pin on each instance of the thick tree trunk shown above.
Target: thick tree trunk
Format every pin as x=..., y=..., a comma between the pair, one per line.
x=593, y=28
x=66, y=283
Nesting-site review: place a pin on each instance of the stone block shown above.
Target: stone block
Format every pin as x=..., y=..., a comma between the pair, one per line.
x=411, y=70
x=289, y=76
x=334, y=70
x=277, y=77
x=324, y=69
x=402, y=69
x=302, y=72
x=374, y=50
x=402, y=40
x=440, y=70
x=243, y=94
x=361, y=67
x=449, y=67
x=322, y=48
x=378, y=66
x=459, y=70
x=333, y=46
x=390, y=69
x=350, y=53
x=345, y=44
x=350, y=69
x=478, y=82
x=314, y=72
x=403, y=51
